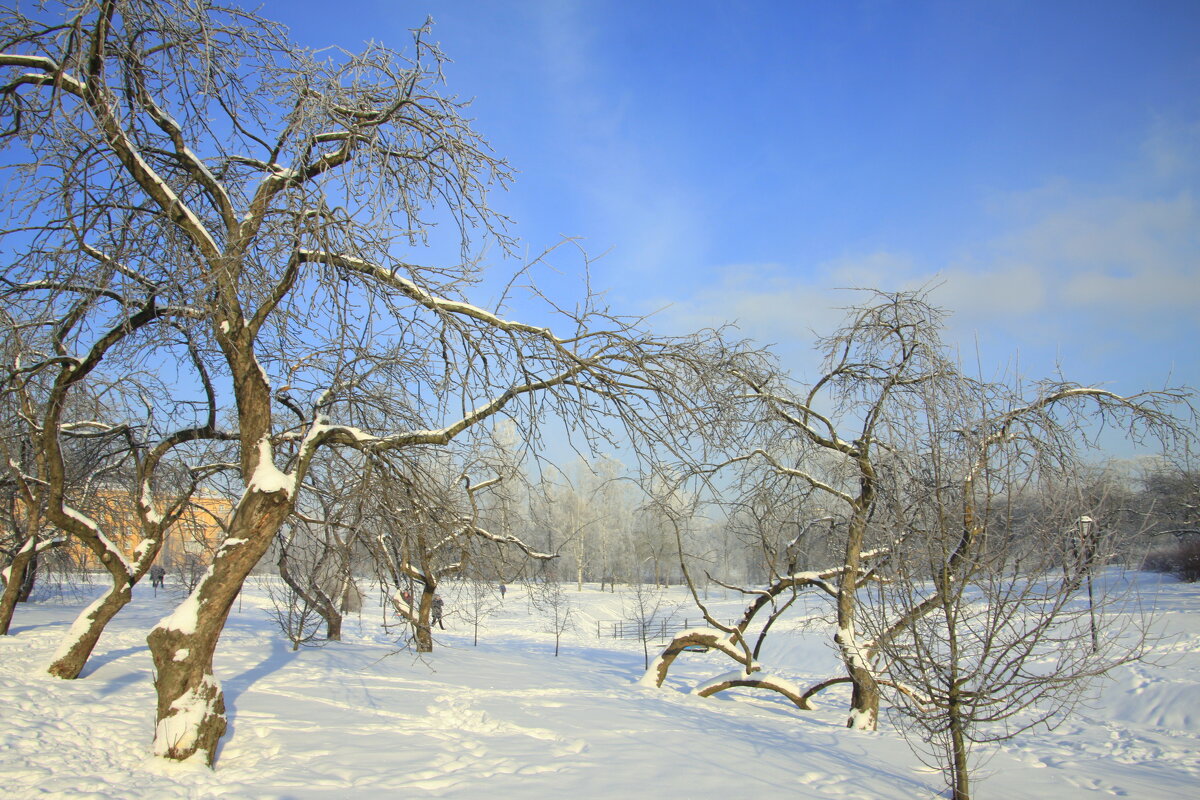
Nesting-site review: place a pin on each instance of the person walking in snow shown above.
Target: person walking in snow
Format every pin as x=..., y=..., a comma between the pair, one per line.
x=158, y=576
x=437, y=612
x=503, y=589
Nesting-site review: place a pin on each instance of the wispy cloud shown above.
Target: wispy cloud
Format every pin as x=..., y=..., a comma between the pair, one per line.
x=1066, y=268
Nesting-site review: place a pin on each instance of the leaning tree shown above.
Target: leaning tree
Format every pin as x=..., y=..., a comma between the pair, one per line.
x=277, y=205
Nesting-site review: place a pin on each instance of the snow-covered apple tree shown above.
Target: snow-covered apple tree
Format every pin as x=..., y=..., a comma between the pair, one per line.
x=196, y=171
x=895, y=453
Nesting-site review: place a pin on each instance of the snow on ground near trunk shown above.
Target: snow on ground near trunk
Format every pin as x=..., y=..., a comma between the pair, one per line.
x=508, y=720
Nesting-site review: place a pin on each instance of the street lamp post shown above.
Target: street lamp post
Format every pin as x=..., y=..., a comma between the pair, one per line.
x=1087, y=551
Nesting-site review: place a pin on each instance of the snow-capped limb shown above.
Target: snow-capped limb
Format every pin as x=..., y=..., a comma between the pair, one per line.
x=471, y=527
x=800, y=533
x=757, y=680
x=799, y=473
x=397, y=567
x=782, y=470
x=28, y=547
x=93, y=426
x=473, y=489
x=513, y=540
x=818, y=579
x=49, y=73
x=92, y=90
x=393, y=278
x=403, y=607
x=86, y=528
x=266, y=476
x=353, y=437
x=779, y=403
x=190, y=161
x=730, y=643
x=146, y=504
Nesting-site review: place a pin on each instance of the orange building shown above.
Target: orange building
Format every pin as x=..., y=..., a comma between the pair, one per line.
x=193, y=538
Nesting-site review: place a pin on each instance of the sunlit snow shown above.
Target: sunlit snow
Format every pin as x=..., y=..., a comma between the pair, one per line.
x=506, y=719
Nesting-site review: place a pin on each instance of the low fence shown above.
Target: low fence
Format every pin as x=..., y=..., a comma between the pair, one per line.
x=655, y=630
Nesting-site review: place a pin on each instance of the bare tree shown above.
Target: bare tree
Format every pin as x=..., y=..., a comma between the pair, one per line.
x=1169, y=502
x=860, y=444
x=294, y=613
x=565, y=511
x=1012, y=617
x=558, y=613
x=318, y=548
x=46, y=386
x=479, y=600
x=648, y=612
x=26, y=533
x=425, y=518
x=210, y=175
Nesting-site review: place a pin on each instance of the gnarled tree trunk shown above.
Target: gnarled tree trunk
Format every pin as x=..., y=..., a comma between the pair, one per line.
x=191, y=705
x=14, y=583
x=422, y=626
x=80, y=640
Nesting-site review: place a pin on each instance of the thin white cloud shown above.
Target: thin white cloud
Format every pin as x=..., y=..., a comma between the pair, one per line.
x=1173, y=149
x=1105, y=280
x=1136, y=255
x=1123, y=254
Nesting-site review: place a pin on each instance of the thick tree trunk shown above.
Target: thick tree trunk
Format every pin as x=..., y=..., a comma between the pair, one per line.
x=333, y=624
x=864, y=699
x=327, y=607
x=13, y=586
x=30, y=579
x=191, y=705
x=81, y=639
x=423, y=629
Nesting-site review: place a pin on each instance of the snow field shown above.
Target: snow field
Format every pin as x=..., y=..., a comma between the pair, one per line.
x=365, y=719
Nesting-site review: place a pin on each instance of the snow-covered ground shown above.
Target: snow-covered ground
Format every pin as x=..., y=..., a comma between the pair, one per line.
x=506, y=719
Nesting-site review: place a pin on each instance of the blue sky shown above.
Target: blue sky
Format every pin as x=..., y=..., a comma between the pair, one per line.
x=1040, y=161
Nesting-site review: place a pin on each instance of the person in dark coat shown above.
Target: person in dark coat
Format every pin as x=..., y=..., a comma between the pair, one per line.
x=437, y=612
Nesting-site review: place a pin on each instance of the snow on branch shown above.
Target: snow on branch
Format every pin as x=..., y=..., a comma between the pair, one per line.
x=513, y=540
